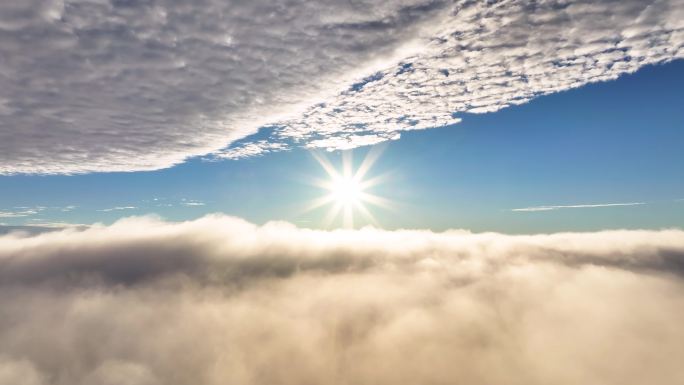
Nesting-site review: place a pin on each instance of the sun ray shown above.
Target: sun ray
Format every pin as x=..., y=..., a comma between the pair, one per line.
x=318, y=202
x=366, y=213
x=322, y=183
x=368, y=162
x=368, y=183
x=325, y=163
x=378, y=201
x=348, y=217
x=347, y=165
x=332, y=214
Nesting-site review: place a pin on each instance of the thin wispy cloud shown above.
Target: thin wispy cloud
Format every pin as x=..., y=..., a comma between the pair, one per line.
x=170, y=202
x=127, y=85
x=29, y=214
x=53, y=224
x=118, y=208
x=583, y=206
x=191, y=203
x=17, y=214
x=20, y=212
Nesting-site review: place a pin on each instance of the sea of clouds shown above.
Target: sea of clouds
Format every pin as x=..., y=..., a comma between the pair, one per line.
x=219, y=300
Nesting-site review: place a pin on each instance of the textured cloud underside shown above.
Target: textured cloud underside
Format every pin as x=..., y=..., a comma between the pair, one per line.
x=99, y=85
x=221, y=301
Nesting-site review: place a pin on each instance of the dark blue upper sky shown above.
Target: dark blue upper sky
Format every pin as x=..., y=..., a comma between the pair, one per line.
x=605, y=143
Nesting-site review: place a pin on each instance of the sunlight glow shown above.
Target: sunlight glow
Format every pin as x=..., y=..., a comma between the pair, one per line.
x=347, y=189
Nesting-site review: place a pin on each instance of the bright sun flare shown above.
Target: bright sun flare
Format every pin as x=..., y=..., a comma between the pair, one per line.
x=347, y=189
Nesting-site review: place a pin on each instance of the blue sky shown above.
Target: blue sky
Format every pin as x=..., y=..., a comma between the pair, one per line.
x=604, y=143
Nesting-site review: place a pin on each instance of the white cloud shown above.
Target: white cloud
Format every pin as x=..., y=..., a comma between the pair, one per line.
x=20, y=212
x=15, y=214
x=346, y=142
x=41, y=224
x=118, y=208
x=550, y=208
x=491, y=55
x=219, y=300
x=252, y=149
x=191, y=202
x=114, y=85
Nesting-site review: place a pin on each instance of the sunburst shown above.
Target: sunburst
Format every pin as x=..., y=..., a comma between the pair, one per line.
x=347, y=189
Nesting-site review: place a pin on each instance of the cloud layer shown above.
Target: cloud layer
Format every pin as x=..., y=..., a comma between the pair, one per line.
x=121, y=85
x=219, y=300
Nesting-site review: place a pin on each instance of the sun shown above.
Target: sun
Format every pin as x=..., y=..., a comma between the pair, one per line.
x=347, y=189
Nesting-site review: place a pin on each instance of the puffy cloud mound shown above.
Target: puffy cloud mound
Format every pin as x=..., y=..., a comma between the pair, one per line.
x=219, y=300
x=124, y=85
